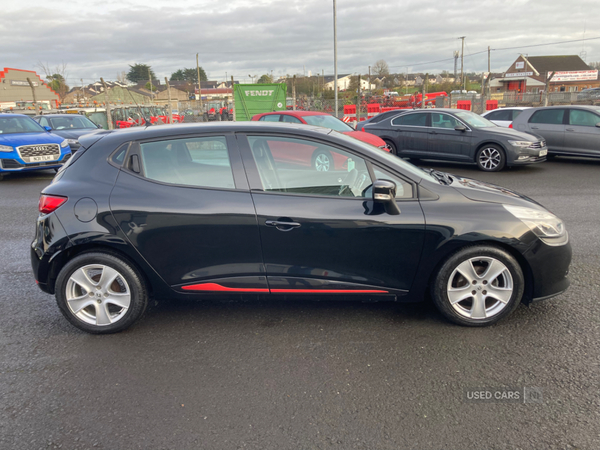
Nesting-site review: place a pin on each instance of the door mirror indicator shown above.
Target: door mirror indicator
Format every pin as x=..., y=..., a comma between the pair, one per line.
x=460, y=128
x=384, y=193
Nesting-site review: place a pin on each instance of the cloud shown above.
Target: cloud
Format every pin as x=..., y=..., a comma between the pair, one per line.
x=243, y=37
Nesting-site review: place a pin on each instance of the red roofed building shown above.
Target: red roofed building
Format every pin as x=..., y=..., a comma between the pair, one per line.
x=14, y=88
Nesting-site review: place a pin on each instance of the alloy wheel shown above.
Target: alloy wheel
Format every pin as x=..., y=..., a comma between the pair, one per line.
x=490, y=158
x=98, y=295
x=322, y=162
x=480, y=288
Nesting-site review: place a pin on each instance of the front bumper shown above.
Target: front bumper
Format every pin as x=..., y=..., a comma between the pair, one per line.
x=549, y=266
x=8, y=164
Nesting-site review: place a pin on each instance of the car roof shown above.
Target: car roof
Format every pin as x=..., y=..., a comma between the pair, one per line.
x=298, y=113
x=13, y=115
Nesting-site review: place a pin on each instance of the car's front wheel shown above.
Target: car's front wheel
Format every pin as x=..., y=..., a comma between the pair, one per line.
x=101, y=293
x=478, y=286
x=490, y=158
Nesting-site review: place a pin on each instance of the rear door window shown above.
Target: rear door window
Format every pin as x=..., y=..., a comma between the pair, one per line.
x=501, y=114
x=548, y=116
x=270, y=118
x=290, y=119
x=413, y=120
x=200, y=162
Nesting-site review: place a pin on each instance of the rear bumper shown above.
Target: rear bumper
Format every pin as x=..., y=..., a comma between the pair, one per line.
x=49, y=242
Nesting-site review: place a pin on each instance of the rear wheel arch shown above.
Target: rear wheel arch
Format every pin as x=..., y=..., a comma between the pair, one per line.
x=67, y=255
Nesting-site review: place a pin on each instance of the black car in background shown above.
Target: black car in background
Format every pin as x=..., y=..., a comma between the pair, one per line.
x=198, y=211
x=69, y=126
x=569, y=130
x=458, y=135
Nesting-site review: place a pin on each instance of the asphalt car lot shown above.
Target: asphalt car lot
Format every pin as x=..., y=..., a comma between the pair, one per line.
x=306, y=374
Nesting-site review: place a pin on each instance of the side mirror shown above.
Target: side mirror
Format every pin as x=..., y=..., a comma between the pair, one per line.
x=48, y=129
x=384, y=193
x=598, y=124
x=460, y=128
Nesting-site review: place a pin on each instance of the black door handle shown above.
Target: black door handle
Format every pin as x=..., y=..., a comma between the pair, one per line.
x=281, y=225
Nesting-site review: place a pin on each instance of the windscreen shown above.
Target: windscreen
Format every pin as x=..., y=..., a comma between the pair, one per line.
x=474, y=120
x=17, y=124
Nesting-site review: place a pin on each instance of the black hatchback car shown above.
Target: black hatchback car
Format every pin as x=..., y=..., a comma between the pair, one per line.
x=197, y=211
x=458, y=135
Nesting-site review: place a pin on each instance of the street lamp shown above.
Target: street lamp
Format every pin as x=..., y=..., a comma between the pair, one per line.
x=335, y=87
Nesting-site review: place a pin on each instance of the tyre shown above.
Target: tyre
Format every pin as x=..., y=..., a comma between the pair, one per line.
x=478, y=286
x=392, y=146
x=322, y=161
x=490, y=158
x=101, y=293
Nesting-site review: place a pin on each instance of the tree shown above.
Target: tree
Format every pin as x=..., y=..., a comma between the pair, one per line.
x=57, y=84
x=265, y=79
x=381, y=68
x=594, y=65
x=56, y=78
x=189, y=75
x=140, y=72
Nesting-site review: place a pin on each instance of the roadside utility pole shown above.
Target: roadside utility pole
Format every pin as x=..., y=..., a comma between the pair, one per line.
x=335, y=86
x=294, y=93
x=462, y=60
x=170, y=106
x=233, y=96
x=33, y=92
x=548, y=78
x=108, y=115
x=199, y=83
x=425, y=81
x=358, y=102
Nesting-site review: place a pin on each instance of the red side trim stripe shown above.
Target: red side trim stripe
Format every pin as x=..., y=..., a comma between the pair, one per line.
x=327, y=291
x=214, y=287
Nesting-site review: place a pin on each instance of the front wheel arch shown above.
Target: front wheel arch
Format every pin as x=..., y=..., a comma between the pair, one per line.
x=525, y=267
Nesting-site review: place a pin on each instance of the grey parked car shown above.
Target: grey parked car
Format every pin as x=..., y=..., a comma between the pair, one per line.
x=568, y=130
x=458, y=135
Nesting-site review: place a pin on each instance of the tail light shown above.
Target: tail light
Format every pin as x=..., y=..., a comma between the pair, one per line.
x=50, y=203
x=510, y=126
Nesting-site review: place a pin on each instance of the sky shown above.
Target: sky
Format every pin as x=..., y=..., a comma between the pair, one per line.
x=247, y=38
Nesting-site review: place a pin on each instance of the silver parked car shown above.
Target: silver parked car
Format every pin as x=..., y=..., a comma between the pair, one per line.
x=568, y=130
x=503, y=117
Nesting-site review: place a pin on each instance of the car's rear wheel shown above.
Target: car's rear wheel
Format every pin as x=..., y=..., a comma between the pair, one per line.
x=478, y=286
x=101, y=293
x=322, y=161
x=490, y=158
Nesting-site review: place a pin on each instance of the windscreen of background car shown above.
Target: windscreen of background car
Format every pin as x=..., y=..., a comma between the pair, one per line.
x=327, y=121
x=70, y=123
x=474, y=120
x=14, y=125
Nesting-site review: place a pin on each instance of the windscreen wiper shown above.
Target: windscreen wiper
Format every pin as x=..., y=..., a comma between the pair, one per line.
x=442, y=177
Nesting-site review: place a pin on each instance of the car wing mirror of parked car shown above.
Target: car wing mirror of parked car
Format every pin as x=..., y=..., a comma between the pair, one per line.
x=384, y=193
x=460, y=128
x=598, y=124
x=48, y=129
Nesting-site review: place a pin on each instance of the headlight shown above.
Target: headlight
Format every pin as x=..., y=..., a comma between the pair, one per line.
x=72, y=141
x=6, y=148
x=522, y=144
x=64, y=143
x=543, y=223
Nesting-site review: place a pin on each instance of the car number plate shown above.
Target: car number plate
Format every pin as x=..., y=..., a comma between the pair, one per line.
x=543, y=152
x=41, y=158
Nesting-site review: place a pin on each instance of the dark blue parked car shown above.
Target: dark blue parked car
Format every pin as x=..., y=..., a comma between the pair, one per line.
x=26, y=145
